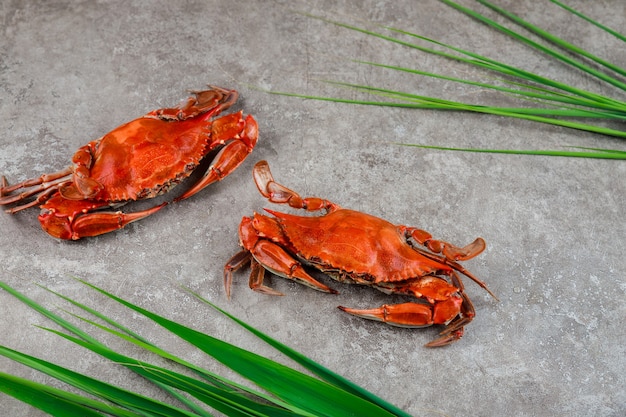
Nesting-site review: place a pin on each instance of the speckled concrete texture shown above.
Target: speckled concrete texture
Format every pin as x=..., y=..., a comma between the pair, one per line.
x=554, y=345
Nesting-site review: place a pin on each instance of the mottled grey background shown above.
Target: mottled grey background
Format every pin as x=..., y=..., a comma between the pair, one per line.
x=554, y=344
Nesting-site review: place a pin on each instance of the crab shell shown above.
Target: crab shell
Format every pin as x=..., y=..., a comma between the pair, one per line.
x=148, y=156
x=348, y=244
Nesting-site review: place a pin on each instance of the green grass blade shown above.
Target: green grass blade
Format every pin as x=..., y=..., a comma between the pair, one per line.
x=119, y=396
x=519, y=113
x=60, y=321
x=223, y=400
x=182, y=399
x=319, y=370
x=96, y=313
x=528, y=91
x=310, y=394
x=554, y=39
x=227, y=402
x=305, y=395
x=48, y=314
x=134, y=338
x=601, y=150
x=56, y=402
x=601, y=154
x=549, y=51
x=235, y=391
x=593, y=22
x=562, y=100
x=505, y=69
x=483, y=62
x=221, y=389
x=438, y=104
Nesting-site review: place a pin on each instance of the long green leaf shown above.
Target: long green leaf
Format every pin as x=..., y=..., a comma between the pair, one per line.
x=563, y=44
x=534, y=93
x=228, y=402
x=593, y=22
x=483, y=62
x=302, y=394
x=221, y=399
x=570, y=102
x=549, y=51
x=313, y=395
x=601, y=150
x=57, y=319
x=419, y=101
x=54, y=401
x=439, y=104
x=601, y=154
x=135, y=338
x=93, y=386
x=316, y=368
x=235, y=393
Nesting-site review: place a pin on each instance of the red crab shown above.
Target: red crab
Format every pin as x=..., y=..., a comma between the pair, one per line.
x=138, y=160
x=358, y=248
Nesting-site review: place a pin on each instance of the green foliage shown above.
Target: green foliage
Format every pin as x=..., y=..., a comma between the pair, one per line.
x=285, y=391
x=554, y=102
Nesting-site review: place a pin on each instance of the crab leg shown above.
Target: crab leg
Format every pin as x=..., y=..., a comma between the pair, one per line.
x=211, y=102
x=275, y=259
x=42, y=185
x=451, y=252
x=257, y=275
x=454, y=329
x=454, y=311
x=467, y=273
x=43, y=179
x=240, y=141
x=264, y=254
x=438, y=246
x=39, y=198
x=422, y=315
x=235, y=263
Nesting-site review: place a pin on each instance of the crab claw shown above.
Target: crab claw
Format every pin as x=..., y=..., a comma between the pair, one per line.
x=421, y=315
x=467, y=252
x=72, y=219
x=402, y=315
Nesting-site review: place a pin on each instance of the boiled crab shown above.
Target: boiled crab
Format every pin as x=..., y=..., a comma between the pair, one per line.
x=140, y=159
x=355, y=247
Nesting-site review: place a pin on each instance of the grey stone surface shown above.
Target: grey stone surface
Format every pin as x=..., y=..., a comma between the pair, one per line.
x=553, y=345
